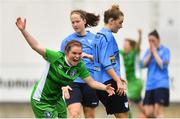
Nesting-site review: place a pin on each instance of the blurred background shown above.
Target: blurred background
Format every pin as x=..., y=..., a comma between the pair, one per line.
x=48, y=21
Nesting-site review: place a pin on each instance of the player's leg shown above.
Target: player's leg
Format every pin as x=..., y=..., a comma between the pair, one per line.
x=61, y=108
x=121, y=115
x=74, y=110
x=89, y=112
x=89, y=101
x=158, y=110
x=149, y=103
x=115, y=104
x=161, y=100
x=135, y=87
x=149, y=111
x=74, y=102
x=43, y=110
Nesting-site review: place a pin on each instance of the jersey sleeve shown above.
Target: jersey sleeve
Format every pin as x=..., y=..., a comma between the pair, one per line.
x=105, y=54
x=51, y=55
x=144, y=57
x=62, y=46
x=83, y=71
x=166, y=57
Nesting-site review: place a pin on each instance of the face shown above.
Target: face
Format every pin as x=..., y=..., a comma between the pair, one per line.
x=74, y=55
x=117, y=24
x=78, y=23
x=154, y=41
x=127, y=47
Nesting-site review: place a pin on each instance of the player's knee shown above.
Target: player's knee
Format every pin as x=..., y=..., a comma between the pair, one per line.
x=89, y=114
x=149, y=114
x=74, y=114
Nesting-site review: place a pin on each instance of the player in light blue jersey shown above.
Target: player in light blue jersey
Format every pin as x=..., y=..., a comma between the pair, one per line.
x=156, y=59
x=107, y=63
x=80, y=93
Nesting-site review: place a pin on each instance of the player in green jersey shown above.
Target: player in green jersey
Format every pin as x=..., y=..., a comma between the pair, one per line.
x=130, y=54
x=62, y=69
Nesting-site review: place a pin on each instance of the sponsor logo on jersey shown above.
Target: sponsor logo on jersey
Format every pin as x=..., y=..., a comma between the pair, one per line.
x=96, y=68
x=60, y=66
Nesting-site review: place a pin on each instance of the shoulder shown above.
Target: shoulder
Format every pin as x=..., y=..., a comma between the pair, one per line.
x=164, y=48
x=147, y=51
x=89, y=33
x=102, y=36
x=49, y=51
x=61, y=54
x=52, y=55
x=69, y=37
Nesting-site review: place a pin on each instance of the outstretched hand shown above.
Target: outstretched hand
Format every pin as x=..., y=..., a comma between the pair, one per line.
x=21, y=24
x=85, y=55
x=66, y=91
x=110, y=90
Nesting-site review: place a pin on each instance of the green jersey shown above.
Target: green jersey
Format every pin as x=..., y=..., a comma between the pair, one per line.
x=129, y=63
x=57, y=74
x=135, y=85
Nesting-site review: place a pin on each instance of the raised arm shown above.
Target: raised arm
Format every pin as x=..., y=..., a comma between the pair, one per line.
x=30, y=40
x=138, y=45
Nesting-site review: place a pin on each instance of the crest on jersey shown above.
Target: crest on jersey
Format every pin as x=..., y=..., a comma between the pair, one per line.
x=73, y=72
x=112, y=59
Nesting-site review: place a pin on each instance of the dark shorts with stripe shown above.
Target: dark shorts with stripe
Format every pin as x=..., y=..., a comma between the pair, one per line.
x=115, y=103
x=82, y=93
x=159, y=95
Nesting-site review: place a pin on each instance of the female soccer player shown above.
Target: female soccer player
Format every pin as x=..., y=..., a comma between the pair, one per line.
x=107, y=63
x=80, y=93
x=131, y=58
x=62, y=69
x=156, y=59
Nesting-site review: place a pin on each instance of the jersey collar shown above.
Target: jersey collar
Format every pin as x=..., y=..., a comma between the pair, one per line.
x=67, y=61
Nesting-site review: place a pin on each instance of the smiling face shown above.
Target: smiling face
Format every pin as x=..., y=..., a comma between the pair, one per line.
x=74, y=55
x=78, y=23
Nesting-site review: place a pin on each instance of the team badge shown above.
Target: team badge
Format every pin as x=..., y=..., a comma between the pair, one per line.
x=73, y=72
x=112, y=59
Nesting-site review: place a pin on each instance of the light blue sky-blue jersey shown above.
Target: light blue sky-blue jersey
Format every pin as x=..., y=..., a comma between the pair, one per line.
x=158, y=77
x=87, y=48
x=106, y=55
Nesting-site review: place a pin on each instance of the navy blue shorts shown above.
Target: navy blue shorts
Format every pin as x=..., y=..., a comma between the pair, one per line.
x=115, y=103
x=82, y=93
x=159, y=95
